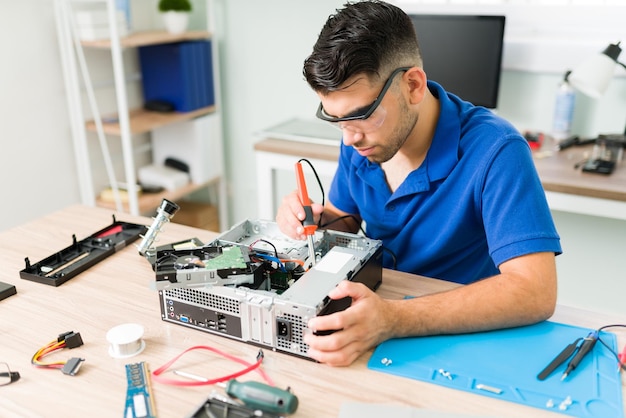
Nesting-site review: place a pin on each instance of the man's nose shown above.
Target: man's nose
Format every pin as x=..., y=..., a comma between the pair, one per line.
x=351, y=137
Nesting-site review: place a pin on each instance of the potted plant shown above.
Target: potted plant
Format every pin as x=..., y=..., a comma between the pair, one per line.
x=175, y=14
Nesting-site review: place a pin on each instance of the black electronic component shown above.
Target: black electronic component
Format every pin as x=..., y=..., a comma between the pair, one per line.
x=58, y=268
x=159, y=106
x=607, y=153
x=176, y=164
x=212, y=264
x=72, y=339
x=283, y=328
x=567, y=142
x=6, y=290
x=463, y=53
x=599, y=166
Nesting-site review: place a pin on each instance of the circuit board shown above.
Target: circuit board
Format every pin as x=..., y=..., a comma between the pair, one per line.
x=139, y=398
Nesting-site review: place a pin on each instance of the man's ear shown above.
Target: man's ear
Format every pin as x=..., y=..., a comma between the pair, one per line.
x=416, y=80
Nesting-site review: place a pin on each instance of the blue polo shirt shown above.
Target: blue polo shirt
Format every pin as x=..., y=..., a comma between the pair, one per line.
x=475, y=202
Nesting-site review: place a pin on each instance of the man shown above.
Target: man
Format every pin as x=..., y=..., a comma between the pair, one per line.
x=448, y=187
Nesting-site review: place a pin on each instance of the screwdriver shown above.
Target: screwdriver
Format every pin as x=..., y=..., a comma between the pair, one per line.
x=267, y=398
x=308, y=223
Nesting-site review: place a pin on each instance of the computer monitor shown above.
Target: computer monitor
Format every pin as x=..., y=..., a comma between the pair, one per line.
x=463, y=53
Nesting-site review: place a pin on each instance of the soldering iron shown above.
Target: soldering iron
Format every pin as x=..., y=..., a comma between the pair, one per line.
x=309, y=222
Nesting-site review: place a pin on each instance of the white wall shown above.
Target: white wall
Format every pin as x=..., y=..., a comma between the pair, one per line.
x=263, y=45
x=592, y=268
x=37, y=159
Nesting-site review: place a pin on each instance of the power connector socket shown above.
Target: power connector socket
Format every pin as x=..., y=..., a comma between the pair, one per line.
x=72, y=366
x=72, y=339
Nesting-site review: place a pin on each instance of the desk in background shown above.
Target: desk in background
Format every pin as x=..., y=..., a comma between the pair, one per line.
x=567, y=189
x=117, y=291
x=589, y=210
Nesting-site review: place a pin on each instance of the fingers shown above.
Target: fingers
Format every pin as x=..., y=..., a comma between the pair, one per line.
x=343, y=319
x=353, y=332
x=290, y=215
x=317, y=210
x=346, y=288
x=343, y=357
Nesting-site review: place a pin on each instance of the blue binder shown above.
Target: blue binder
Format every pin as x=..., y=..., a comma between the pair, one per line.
x=504, y=364
x=180, y=73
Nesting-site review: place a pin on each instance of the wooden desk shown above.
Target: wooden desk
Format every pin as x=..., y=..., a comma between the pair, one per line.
x=567, y=189
x=571, y=190
x=117, y=291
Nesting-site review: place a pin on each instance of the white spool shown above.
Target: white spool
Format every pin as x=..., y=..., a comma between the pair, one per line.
x=125, y=340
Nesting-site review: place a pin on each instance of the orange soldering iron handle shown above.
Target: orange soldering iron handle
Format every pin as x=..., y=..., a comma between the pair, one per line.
x=309, y=222
x=304, y=195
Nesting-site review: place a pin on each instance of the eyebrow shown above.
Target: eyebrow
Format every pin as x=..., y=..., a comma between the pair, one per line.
x=358, y=111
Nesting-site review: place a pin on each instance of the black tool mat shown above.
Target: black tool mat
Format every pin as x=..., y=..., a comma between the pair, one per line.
x=78, y=257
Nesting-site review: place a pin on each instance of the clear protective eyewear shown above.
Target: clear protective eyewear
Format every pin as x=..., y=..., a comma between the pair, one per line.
x=7, y=376
x=366, y=119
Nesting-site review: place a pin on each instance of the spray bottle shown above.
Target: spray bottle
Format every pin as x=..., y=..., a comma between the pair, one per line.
x=563, y=110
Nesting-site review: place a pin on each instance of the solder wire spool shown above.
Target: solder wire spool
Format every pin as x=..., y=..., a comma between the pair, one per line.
x=125, y=340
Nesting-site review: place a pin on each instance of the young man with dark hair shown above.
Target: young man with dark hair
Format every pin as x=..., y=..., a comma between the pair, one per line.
x=450, y=189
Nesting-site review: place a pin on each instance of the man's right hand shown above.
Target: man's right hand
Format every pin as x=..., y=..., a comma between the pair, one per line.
x=291, y=214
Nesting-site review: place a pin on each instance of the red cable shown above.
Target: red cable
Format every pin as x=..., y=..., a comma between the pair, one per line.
x=156, y=374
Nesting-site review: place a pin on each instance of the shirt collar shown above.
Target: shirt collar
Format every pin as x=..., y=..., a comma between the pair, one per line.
x=443, y=154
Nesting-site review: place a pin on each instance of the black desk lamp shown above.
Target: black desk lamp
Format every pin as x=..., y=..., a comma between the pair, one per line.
x=593, y=75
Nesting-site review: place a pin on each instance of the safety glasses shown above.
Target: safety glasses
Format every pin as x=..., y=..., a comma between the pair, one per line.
x=366, y=119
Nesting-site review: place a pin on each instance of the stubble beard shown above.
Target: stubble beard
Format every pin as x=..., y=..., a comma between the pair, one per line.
x=398, y=136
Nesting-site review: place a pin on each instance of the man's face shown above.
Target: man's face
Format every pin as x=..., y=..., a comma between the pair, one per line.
x=384, y=132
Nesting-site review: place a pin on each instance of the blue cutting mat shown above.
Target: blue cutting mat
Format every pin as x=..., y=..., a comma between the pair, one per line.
x=508, y=361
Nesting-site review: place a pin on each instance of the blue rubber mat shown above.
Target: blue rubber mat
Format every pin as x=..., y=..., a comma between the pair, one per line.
x=504, y=364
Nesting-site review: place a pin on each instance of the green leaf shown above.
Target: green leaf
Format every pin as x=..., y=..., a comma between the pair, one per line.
x=174, y=5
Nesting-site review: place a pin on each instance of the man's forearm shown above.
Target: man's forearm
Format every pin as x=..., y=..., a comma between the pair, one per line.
x=506, y=300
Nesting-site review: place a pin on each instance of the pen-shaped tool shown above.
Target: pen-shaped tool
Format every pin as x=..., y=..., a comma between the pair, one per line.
x=566, y=143
x=309, y=222
x=588, y=343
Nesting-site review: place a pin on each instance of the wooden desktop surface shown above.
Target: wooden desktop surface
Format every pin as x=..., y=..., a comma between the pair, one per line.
x=117, y=291
x=556, y=169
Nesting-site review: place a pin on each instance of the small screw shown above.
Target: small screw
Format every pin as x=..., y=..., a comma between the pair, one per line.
x=566, y=402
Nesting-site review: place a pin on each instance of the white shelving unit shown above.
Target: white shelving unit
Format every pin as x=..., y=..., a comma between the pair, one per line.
x=128, y=122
